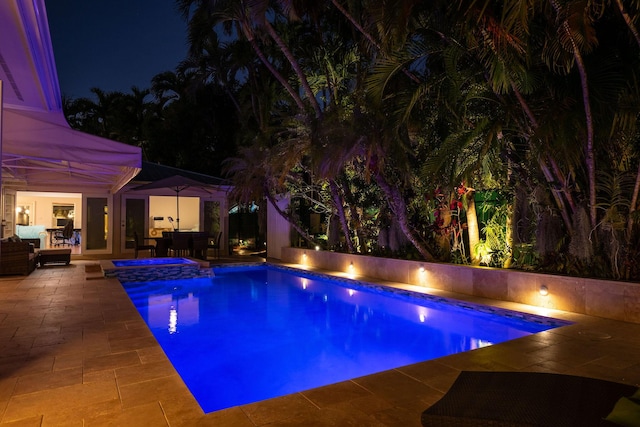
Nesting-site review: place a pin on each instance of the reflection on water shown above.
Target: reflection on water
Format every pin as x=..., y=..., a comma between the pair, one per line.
x=173, y=320
x=163, y=309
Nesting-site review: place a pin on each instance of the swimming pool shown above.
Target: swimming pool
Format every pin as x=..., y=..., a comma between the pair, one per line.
x=254, y=333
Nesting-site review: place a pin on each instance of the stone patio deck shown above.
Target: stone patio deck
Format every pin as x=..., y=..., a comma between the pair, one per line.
x=75, y=352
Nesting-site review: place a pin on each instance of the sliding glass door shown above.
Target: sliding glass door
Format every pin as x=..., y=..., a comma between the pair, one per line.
x=96, y=236
x=135, y=213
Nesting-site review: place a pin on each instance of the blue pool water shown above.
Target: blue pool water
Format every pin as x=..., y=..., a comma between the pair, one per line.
x=255, y=333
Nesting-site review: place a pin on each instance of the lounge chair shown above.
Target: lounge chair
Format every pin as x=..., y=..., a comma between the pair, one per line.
x=526, y=399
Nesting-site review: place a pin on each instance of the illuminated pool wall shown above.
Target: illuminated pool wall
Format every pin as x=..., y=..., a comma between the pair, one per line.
x=602, y=298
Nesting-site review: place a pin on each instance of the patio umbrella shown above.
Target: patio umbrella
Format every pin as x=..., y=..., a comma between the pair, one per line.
x=177, y=183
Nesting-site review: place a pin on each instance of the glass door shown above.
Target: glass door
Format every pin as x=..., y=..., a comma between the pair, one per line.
x=96, y=226
x=8, y=217
x=135, y=214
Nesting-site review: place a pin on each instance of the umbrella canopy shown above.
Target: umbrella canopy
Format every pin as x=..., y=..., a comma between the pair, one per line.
x=177, y=183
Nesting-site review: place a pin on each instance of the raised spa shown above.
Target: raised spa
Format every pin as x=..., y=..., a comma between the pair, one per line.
x=152, y=269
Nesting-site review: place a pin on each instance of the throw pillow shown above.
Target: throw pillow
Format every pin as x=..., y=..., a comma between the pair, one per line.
x=626, y=413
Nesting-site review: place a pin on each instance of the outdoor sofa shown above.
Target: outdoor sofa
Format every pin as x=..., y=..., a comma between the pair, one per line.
x=22, y=256
x=18, y=256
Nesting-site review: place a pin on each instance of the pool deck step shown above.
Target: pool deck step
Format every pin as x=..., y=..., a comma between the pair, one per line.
x=93, y=272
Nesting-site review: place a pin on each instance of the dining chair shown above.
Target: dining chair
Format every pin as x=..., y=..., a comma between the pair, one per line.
x=199, y=245
x=180, y=244
x=141, y=246
x=214, y=243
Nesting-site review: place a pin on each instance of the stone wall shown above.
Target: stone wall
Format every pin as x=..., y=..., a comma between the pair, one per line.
x=602, y=298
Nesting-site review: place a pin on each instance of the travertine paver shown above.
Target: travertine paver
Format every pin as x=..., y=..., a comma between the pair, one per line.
x=74, y=351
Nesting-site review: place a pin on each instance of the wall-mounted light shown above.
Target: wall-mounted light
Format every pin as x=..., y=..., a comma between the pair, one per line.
x=544, y=291
x=351, y=267
x=317, y=248
x=421, y=277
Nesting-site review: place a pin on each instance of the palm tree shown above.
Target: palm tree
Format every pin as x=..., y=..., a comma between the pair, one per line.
x=138, y=110
x=250, y=19
x=575, y=44
x=264, y=181
x=629, y=21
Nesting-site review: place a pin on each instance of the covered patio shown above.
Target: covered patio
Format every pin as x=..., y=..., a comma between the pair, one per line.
x=40, y=151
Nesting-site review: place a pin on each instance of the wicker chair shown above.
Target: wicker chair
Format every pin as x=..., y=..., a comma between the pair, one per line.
x=17, y=257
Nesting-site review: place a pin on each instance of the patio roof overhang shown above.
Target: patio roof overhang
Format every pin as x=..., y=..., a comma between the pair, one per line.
x=40, y=151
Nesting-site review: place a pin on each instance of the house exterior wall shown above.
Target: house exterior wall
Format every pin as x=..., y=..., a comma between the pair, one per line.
x=278, y=230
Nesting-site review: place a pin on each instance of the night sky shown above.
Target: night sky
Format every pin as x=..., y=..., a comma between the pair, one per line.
x=114, y=44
